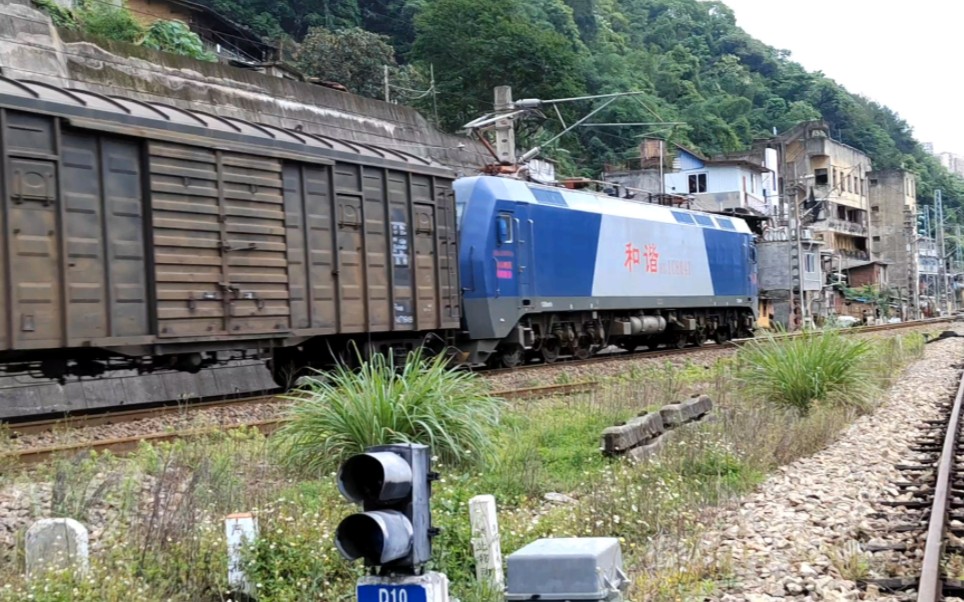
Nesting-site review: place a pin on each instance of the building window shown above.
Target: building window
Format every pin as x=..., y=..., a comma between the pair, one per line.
x=820, y=177
x=810, y=263
x=876, y=239
x=697, y=183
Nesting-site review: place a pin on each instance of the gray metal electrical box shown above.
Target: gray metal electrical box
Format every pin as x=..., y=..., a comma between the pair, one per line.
x=567, y=569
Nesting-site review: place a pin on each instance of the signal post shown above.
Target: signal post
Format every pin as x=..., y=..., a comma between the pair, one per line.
x=393, y=532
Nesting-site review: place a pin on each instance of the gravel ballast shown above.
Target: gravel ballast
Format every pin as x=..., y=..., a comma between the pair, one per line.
x=798, y=536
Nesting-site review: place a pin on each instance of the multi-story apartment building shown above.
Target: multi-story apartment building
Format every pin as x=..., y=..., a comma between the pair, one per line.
x=828, y=181
x=893, y=223
x=717, y=184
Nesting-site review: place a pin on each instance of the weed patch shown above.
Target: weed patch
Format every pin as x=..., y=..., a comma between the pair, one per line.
x=424, y=402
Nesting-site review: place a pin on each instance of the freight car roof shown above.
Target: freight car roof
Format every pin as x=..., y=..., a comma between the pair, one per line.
x=85, y=105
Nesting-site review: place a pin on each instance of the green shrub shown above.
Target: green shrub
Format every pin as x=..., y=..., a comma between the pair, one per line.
x=799, y=371
x=62, y=17
x=342, y=413
x=102, y=19
x=177, y=38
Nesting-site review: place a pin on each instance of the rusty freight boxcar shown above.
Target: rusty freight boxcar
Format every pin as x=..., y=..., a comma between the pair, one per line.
x=142, y=235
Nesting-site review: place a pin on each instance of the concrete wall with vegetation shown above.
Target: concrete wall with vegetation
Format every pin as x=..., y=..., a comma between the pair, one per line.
x=32, y=48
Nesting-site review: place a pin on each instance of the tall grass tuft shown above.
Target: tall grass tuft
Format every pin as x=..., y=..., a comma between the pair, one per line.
x=341, y=413
x=817, y=367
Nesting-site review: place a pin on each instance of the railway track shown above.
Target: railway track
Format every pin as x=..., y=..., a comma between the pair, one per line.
x=122, y=445
x=924, y=522
x=125, y=444
x=945, y=528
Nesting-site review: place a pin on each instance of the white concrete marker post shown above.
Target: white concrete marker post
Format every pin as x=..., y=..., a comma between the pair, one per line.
x=56, y=544
x=485, y=540
x=240, y=529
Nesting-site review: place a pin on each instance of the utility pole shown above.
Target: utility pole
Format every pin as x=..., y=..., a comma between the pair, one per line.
x=914, y=265
x=386, y=84
x=504, y=127
x=795, y=244
x=942, y=273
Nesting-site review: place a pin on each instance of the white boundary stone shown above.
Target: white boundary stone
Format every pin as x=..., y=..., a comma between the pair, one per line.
x=240, y=529
x=485, y=540
x=56, y=544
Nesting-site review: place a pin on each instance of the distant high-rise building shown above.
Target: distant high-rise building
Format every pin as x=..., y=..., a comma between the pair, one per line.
x=954, y=163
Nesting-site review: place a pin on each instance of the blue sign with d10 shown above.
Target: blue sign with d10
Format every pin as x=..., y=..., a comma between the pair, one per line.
x=392, y=593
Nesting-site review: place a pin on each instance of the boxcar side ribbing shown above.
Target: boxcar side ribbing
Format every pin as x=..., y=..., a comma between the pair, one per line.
x=141, y=234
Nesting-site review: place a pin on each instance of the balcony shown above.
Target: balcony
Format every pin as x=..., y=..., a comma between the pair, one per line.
x=855, y=254
x=846, y=227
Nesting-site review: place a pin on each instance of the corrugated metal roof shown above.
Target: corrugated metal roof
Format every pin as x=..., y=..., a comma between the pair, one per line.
x=167, y=114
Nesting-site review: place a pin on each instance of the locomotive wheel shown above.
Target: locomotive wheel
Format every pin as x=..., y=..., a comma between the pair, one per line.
x=721, y=336
x=699, y=338
x=681, y=340
x=583, y=348
x=511, y=356
x=550, y=350
x=652, y=344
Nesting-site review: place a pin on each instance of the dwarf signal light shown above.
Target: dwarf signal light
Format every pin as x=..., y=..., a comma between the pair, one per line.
x=393, y=532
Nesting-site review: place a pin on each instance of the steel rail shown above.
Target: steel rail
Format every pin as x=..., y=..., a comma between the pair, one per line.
x=122, y=445
x=931, y=587
x=17, y=429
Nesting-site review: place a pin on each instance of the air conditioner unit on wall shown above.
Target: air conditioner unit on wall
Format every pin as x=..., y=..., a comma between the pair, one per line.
x=806, y=234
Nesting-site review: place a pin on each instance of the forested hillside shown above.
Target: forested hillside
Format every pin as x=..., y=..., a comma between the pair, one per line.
x=692, y=62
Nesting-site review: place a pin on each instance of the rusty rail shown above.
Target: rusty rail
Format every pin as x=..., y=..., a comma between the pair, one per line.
x=33, y=427
x=124, y=445
x=931, y=584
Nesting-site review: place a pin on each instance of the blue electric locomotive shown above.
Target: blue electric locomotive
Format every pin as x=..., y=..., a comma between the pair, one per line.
x=549, y=272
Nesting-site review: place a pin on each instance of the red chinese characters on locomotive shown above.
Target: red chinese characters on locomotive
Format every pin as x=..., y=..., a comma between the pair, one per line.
x=632, y=256
x=652, y=259
x=649, y=258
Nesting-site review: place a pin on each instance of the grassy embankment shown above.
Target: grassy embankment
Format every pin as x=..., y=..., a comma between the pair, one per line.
x=157, y=514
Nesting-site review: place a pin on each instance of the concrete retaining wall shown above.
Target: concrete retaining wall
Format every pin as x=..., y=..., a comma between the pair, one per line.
x=32, y=48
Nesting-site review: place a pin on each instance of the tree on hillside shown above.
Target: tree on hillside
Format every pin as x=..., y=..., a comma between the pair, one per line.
x=352, y=57
x=275, y=19
x=476, y=46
